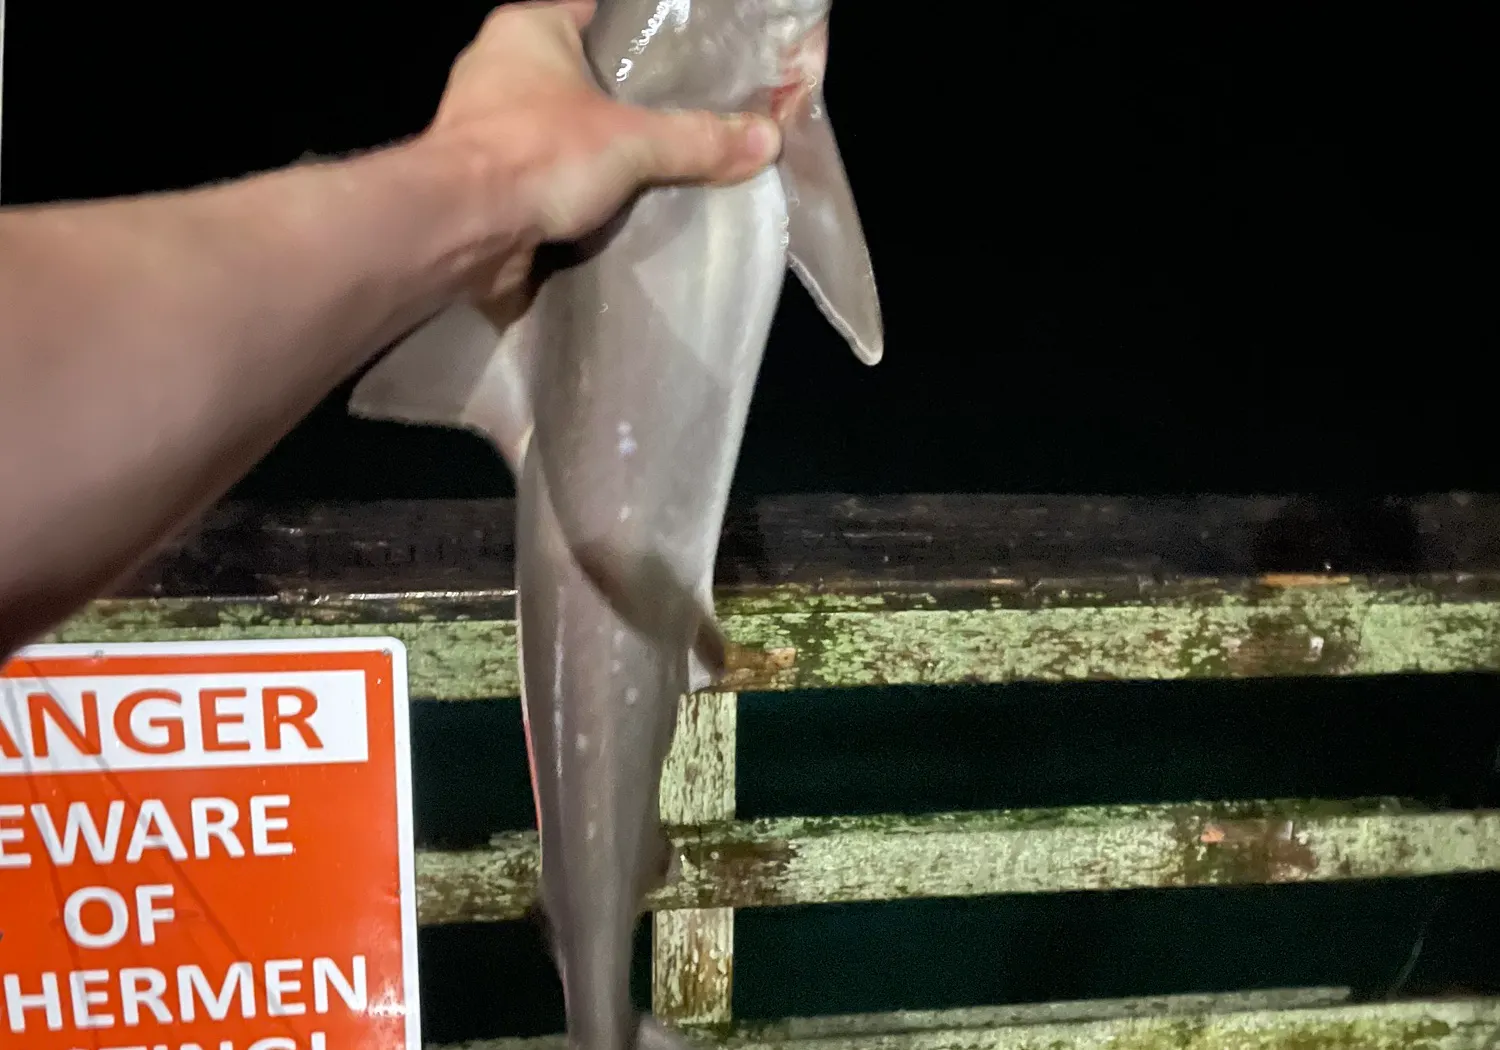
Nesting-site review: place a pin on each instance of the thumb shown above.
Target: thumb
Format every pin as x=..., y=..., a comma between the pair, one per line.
x=697, y=146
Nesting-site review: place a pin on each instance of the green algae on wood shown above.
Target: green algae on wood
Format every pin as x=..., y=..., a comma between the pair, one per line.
x=1393, y=1026
x=1456, y=1024
x=464, y=648
x=845, y=859
x=1062, y=1011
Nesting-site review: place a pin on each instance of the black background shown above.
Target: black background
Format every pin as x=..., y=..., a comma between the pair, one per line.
x=1121, y=247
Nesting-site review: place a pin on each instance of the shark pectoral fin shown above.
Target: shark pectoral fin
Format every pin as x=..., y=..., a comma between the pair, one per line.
x=826, y=247
x=458, y=369
x=428, y=376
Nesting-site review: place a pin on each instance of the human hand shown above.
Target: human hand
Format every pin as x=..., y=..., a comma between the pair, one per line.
x=572, y=156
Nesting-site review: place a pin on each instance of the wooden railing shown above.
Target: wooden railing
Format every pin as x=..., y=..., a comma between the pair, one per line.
x=831, y=592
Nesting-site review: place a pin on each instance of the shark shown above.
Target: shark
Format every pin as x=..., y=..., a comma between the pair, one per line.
x=618, y=400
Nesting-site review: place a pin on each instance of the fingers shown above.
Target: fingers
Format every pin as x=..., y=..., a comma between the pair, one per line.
x=533, y=31
x=647, y=148
x=573, y=14
x=581, y=11
x=702, y=147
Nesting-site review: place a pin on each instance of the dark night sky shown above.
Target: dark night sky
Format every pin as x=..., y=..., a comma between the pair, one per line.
x=1119, y=249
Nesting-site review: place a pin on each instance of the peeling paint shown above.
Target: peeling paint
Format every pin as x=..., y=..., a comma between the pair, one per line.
x=1244, y=851
x=1466, y=1024
x=692, y=967
x=803, y=640
x=872, y=858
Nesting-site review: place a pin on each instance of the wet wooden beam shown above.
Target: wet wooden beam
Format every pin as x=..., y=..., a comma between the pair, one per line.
x=824, y=591
x=842, y=540
x=1238, y=1021
x=875, y=858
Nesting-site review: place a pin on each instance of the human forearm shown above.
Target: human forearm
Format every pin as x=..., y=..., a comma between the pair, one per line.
x=152, y=349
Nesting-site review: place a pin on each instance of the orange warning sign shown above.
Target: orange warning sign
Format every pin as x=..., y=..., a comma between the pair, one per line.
x=207, y=845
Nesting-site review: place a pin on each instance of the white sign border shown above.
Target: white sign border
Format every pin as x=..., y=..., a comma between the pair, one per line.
x=400, y=720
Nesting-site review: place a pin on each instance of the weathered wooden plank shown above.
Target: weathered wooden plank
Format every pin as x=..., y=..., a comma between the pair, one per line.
x=1455, y=1024
x=692, y=965
x=692, y=961
x=441, y=545
x=1065, y=1011
x=801, y=1029
x=840, y=859
x=462, y=647
x=834, y=591
x=987, y=588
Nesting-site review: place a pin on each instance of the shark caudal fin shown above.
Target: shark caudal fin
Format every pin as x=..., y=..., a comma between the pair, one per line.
x=458, y=369
x=826, y=248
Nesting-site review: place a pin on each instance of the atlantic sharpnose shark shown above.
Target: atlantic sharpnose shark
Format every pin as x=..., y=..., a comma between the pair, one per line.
x=618, y=400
